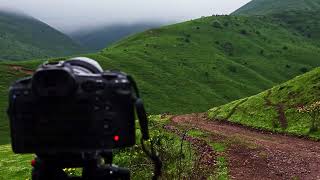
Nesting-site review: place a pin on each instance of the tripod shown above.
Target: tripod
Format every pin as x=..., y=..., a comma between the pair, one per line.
x=95, y=166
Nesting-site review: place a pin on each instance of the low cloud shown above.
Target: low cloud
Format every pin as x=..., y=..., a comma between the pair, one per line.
x=70, y=15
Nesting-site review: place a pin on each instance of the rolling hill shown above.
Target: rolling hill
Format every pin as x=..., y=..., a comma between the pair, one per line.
x=195, y=65
x=277, y=108
x=23, y=37
x=98, y=38
x=264, y=7
x=299, y=16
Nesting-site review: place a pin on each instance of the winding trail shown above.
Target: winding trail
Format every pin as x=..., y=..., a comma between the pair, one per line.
x=259, y=155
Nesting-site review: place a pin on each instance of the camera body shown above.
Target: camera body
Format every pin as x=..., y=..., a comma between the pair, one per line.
x=71, y=107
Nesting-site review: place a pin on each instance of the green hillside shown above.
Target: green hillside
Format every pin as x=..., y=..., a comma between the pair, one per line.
x=277, y=109
x=306, y=23
x=264, y=7
x=23, y=37
x=300, y=16
x=98, y=38
x=192, y=66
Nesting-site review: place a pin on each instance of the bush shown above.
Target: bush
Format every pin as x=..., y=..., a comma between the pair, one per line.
x=243, y=31
x=313, y=110
x=232, y=69
x=228, y=48
x=216, y=24
x=303, y=69
x=262, y=52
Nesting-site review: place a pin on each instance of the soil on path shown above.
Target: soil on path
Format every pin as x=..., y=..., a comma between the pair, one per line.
x=21, y=69
x=258, y=155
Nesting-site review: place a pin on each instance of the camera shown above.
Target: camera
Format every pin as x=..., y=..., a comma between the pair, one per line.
x=72, y=106
x=72, y=114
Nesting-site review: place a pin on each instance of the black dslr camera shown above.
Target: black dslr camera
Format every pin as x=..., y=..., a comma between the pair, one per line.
x=72, y=114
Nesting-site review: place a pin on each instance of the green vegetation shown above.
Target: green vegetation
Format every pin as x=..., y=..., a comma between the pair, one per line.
x=14, y=166
x=277, y=109
x=23, y=37
x=300, y=16
x=305, y=23
x=98, y=38
x=192, y=66
x=223, y=171
x=265, y=7
x=167, y=144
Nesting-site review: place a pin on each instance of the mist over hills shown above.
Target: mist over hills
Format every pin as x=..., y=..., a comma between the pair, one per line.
x=98, y=38
x=216, y=61
x=24, y=37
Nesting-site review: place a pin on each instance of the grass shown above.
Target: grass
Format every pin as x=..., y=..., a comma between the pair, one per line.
x=301, y=17
x=220, y=147
x=263, y=7
x=15, y=166
x=199, y=64
x=262, y=110
x=99, y=38
x=23, y=37
x=223, y=171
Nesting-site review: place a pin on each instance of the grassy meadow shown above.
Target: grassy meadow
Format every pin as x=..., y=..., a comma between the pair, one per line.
x=277, y=108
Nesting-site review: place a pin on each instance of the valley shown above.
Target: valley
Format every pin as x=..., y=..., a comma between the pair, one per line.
x=228, y=96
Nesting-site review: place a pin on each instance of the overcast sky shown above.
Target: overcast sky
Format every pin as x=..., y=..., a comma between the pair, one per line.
x=69, y=15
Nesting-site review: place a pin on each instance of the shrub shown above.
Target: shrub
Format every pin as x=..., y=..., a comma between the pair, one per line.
x=243, y=31
x=262, y=52
x=228, y=48
x=303, y=69
x=216, y=24
x=288, y=66
x=285, y=48
x=232, y=69
x=313, y=110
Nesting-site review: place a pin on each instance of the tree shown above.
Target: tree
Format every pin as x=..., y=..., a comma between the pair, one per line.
x=313, y=110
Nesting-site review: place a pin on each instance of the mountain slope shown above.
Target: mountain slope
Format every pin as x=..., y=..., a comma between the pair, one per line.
x=23, y=37
x=192, y=66
x=101, y=37
x=264, y=7
x=299, y=16
x=277, y=109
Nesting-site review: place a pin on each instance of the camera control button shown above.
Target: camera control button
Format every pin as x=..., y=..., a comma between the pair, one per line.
x=91, y=86
x=110, y=75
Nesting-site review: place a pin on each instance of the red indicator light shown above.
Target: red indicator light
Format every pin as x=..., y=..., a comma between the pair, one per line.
x=116, y=138
x=33, y=162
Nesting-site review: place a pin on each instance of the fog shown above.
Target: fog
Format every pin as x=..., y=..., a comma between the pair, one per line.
x=71, y=15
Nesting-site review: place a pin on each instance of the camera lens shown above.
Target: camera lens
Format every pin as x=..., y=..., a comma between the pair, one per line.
x=53, y=83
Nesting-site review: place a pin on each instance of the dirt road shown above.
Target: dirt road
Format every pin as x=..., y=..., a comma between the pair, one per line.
x=257, y=155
